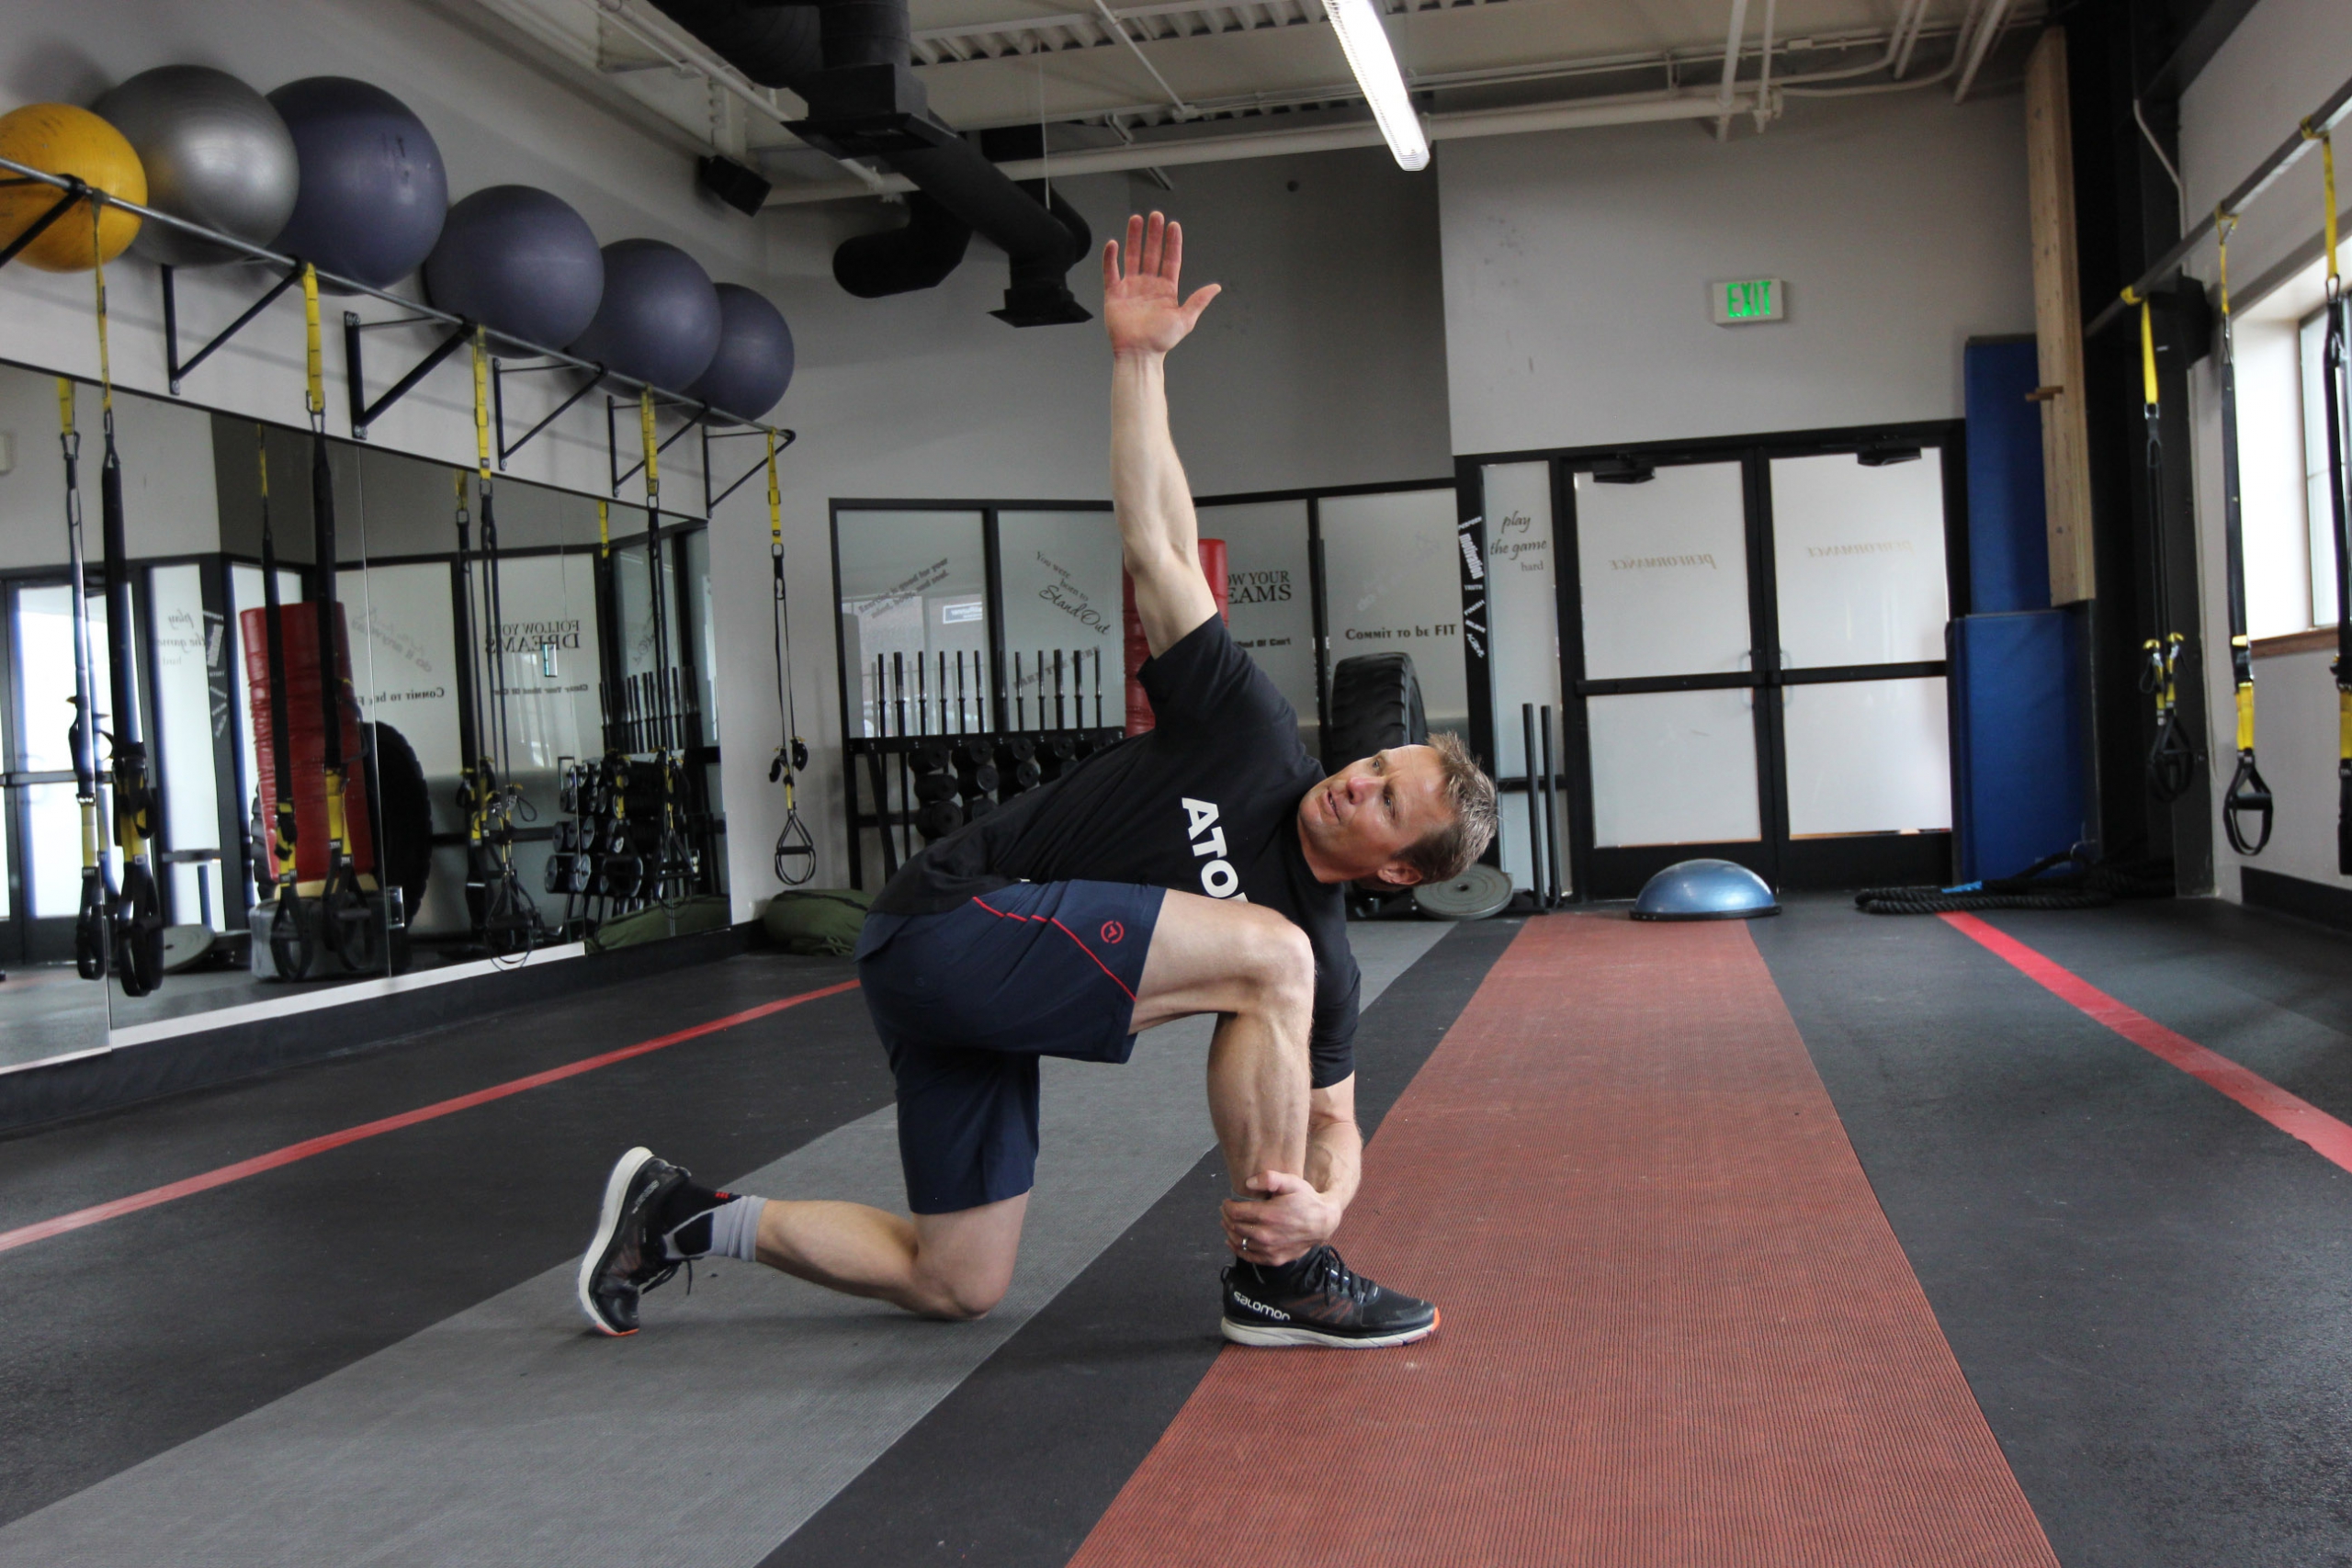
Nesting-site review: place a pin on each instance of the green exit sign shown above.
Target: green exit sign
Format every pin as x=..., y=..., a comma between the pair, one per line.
x=1743, y=300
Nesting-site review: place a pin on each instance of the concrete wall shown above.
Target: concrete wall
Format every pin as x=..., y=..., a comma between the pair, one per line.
x=2281, y=62
x=1577, y=267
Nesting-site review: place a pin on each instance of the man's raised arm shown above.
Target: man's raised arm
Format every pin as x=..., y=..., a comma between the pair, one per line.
x=1146, y=318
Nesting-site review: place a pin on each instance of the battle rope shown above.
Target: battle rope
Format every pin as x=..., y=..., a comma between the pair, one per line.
x=795, y=852
x=136, y=919
x=97, y=893
x=2332, y=380
x=2172, y=762
x=2084, y=885
x=2249, y=796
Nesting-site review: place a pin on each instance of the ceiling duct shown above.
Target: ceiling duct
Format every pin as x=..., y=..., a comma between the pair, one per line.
x=852, y=63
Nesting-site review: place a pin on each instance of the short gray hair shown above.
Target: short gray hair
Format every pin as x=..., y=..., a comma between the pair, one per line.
x=1444, y=855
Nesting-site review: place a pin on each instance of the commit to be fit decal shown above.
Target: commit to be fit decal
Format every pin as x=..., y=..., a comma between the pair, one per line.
x=1219, y=879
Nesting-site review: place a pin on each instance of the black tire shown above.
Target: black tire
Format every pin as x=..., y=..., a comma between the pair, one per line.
x=1375, y=704
x=402, y=817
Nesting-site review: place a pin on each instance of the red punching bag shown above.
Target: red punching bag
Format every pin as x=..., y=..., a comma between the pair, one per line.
x=298, y=625
x=1213, y=568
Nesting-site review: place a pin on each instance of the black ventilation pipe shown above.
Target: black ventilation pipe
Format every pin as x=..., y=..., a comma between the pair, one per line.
x=857, y=76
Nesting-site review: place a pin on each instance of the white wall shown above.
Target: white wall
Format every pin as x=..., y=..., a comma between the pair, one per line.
x=2284, y=58
x=1577, y=267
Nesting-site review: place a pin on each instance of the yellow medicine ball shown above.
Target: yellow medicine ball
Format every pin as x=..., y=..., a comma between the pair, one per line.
x=59, y=138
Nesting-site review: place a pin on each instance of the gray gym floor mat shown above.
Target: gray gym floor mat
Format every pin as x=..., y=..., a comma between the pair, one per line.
x=510, y=1434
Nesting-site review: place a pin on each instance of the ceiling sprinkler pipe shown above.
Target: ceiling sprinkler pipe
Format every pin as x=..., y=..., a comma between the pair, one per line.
x=1996, y=18
x=1730, y=83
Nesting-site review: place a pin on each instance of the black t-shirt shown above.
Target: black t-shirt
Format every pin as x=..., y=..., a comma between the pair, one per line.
x=1205, y=803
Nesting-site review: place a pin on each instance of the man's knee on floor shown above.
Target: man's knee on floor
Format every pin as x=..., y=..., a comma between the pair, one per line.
x=961, y=1295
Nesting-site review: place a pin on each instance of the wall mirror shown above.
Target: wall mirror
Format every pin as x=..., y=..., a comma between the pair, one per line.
x=515, y=752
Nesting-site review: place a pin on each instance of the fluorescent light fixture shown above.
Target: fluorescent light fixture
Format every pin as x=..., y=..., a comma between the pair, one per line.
x=1365, y=40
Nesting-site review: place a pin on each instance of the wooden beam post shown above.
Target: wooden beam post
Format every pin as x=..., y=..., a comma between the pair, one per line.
x=2058, y=320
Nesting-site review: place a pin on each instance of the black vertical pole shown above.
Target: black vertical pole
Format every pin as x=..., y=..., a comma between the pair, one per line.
x=1535, y=834
x=1551, y=818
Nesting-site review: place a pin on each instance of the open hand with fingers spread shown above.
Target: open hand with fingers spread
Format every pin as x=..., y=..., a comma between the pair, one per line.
x=1141, y=306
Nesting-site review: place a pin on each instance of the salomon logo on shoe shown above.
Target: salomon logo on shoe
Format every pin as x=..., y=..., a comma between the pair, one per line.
x=1261, y=1307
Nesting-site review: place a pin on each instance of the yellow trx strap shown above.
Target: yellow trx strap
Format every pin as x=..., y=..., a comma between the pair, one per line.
x=314, y=394
x=482, y=403
x=604, y=530
x=652, y=452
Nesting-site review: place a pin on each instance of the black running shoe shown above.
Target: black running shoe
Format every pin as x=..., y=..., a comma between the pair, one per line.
x=625, y=1257
x=1319, y=1300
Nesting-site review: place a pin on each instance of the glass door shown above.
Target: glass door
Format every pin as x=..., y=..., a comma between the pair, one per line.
x=40, y=831
x=1862, y=598
x=1759, y=663
x=1669, y=669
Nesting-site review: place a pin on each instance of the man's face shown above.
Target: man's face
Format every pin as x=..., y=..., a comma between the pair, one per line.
x=1356, y=823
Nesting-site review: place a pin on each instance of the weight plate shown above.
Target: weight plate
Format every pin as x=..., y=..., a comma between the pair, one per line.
x=185, y=946
x=1476, y=894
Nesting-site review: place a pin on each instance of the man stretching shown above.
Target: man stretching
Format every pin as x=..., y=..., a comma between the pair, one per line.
x=1199, y=868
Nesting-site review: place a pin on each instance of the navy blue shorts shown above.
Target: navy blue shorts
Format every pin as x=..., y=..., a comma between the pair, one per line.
x=967, y=1000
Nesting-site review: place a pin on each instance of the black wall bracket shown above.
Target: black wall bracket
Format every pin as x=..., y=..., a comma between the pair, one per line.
x=710, y=500
x=364, y=414
x=179, y=368
x=498, y=371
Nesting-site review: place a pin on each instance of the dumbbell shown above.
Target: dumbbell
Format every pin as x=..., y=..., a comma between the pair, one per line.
x=979, y=780
x=1024, y=774
x=979, y=805
x=559, y=874
x=972, y=751
x=938, y=819
x=932, y=757
x=930, y=788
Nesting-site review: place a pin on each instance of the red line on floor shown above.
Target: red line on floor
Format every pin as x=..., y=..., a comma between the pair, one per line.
x=188, y=1185
x=2296, y=1117
x=1678, y=1331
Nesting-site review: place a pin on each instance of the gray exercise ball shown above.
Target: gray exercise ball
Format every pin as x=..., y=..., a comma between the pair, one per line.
x=520, y=261
x=659, y=319
x=373, y=193
x=216, y=153
x=754, y=365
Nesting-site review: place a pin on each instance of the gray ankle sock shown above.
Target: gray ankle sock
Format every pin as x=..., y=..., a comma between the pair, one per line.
x=735, y=1229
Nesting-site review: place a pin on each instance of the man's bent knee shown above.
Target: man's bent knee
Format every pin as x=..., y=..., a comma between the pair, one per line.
x=960, y=1297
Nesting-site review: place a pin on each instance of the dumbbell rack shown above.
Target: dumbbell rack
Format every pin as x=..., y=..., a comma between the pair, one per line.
x=910, y=787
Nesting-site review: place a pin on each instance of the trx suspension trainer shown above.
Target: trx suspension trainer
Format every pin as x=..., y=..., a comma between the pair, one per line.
x=795, y=852
x=2172, y=760
x=2249, y=796
x=345, y=921
x=506, y=916
x=293, y=943
x=2332, y=380
x=98, y=889
x=135, y=917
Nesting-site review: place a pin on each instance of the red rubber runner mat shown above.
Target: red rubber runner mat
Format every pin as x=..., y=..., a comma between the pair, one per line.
x=2290, y=1113
x=1677, y=1329
x=188, y=1187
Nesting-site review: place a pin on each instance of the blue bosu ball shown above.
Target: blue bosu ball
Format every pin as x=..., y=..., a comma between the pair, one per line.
x=659, y=321
x=754, y=365
x=519, y=261
x=373, y=193
x=1704, y=890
